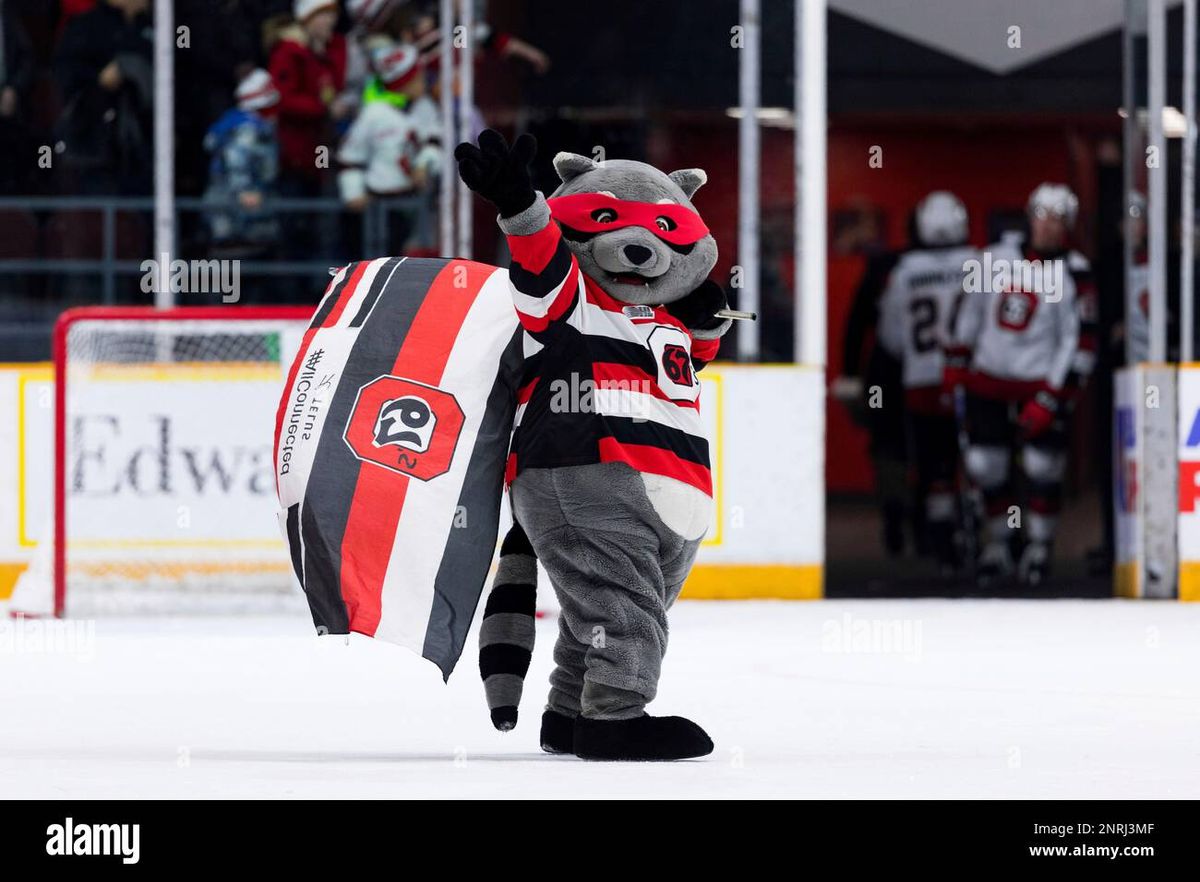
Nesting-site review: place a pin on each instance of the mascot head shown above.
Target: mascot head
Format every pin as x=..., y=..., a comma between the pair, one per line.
x=633, y=228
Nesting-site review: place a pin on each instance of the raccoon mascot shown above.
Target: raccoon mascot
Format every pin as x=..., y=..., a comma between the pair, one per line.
x=608, y=467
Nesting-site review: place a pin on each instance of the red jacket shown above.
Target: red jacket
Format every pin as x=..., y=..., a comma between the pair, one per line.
x=307, y=82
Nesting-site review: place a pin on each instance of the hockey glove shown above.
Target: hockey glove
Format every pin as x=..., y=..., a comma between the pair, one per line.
x=1038, y=414
x=497, y=172
x=698, y=310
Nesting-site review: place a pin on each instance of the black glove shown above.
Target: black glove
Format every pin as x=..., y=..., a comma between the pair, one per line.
x=698, y=310
x=498, y=173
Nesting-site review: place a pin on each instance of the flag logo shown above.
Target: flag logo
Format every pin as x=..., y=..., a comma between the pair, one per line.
x=405, y=426
x=406, y=422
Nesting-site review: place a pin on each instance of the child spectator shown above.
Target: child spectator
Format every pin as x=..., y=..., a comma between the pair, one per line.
x=369, y=19
x=243, y=170
x=389, y=152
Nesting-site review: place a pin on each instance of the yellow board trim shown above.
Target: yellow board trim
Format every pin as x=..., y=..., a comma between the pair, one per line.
x=175, y=543
x=183, y=371
x=1125, y=579
x=9, y=573
x=717, y=536
x=142, y=571
x=755, y=582
x=1189, y=581
x=43, y=373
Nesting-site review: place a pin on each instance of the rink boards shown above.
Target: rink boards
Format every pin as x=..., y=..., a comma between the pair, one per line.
x=765, y=424
x=1156, y=481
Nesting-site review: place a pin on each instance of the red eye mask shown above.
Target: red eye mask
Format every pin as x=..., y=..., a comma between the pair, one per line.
x=579, y=212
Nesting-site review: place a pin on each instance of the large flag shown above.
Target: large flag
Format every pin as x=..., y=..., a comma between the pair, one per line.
x=390, y=443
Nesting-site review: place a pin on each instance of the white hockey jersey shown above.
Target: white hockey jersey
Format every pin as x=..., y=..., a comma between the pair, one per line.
x=1028, y=319
x=384, y=149
x=917, y=309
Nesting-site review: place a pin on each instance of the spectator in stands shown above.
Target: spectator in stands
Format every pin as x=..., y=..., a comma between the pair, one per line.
x=105, y=73
x=389, y=152
x=428, y=36
x=270, y=19
x=223, y=50
x=68, y=9
x=245, y=159
x=488, y=43
x=16, y=74
x=308, y=65
x=16, y=63
x=370, y=20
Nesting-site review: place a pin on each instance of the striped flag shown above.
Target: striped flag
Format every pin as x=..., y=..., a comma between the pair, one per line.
x=390, y=444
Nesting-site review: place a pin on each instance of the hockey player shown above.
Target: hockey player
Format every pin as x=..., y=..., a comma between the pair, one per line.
x=919, y=301
x=1024, y=343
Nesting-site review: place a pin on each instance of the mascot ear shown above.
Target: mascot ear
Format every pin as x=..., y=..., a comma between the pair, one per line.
x=689, y=180
x=572, y=165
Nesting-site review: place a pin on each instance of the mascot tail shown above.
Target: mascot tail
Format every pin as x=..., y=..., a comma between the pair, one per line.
x=506, y=634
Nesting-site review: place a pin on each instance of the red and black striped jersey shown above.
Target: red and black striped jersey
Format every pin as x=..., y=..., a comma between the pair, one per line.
x=604, y=381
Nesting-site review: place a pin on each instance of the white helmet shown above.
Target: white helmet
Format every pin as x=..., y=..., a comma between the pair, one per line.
x=941, y=219
x=1053, y=199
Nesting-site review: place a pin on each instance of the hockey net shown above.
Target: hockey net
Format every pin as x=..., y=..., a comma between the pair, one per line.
x=164, y=493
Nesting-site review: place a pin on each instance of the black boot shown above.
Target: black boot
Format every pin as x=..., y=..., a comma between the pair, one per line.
x=642, y=738
x=558, y=732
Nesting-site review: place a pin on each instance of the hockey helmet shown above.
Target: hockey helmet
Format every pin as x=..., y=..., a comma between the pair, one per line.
x=941, y=219
x=1053, y=199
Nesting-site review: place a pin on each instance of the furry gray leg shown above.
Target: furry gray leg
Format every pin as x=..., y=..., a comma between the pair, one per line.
x=566, y=680
x=605, y=549
x=507, y=632
x=605, y=701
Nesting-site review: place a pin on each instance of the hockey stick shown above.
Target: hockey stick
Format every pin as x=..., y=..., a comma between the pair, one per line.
x=969, y=503
x=737, y=315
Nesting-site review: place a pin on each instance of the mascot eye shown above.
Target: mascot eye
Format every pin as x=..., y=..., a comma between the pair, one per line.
x=604, y=215
x=665, y=223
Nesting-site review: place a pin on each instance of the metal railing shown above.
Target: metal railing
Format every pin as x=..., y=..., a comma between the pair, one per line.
x=376, y=228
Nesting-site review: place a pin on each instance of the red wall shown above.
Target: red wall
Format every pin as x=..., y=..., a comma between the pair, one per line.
x=990, y=165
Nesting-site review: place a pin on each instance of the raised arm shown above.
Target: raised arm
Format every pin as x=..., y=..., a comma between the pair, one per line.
x=544, y=275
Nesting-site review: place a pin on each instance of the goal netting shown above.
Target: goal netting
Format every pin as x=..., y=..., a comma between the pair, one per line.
x=164, y=495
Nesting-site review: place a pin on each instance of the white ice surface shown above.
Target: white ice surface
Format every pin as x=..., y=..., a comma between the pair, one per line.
x=985, y=699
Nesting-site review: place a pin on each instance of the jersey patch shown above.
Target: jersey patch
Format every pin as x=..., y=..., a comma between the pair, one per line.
x=1015, y=310
x=676, y=376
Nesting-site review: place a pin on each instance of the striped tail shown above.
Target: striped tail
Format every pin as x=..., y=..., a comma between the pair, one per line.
x=506, y=634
